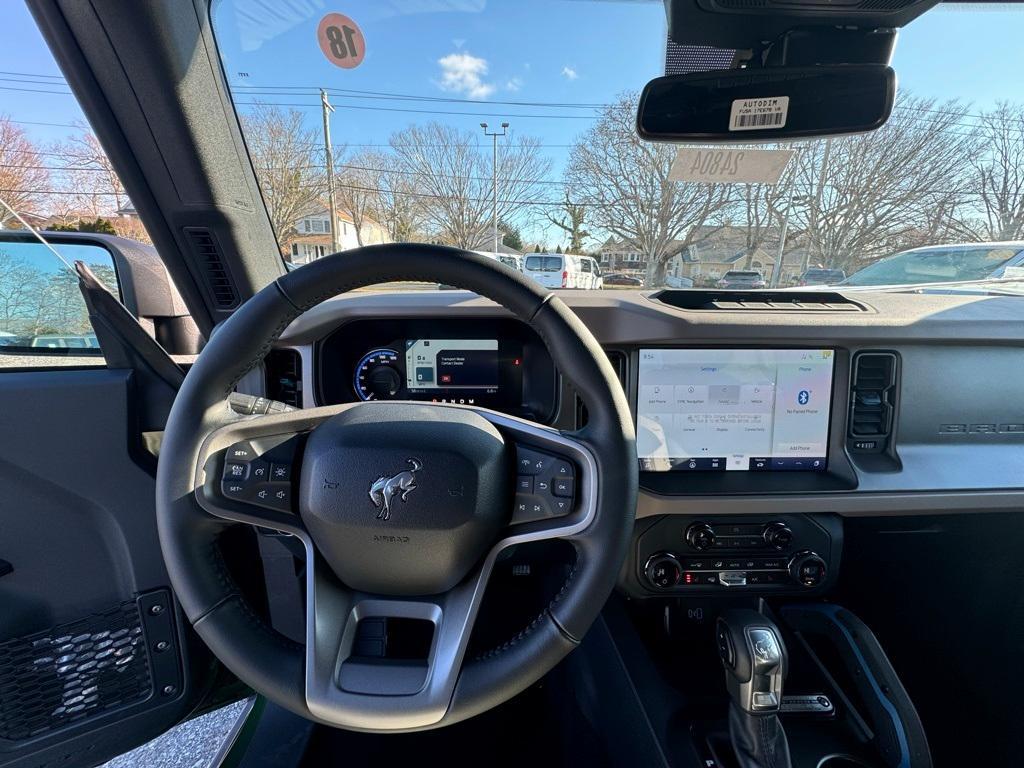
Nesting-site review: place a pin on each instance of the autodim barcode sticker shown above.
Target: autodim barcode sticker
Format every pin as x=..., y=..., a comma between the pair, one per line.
x=759, y=114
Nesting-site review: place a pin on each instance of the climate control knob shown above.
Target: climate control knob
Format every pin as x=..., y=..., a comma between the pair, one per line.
x=700, y=536
x=808, y=569
x=778, y=535
x=663, y=571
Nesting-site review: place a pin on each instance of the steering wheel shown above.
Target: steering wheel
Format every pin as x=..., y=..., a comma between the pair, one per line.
x=402, y=507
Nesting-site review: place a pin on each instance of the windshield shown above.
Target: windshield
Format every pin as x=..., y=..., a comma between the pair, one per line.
x=502, y=126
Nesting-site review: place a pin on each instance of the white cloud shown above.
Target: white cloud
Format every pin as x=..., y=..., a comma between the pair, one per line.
x=569, y=73
x=464, y=73
x=514, y=84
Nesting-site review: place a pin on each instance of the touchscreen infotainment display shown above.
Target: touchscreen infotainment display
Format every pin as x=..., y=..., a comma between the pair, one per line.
x=734, y=409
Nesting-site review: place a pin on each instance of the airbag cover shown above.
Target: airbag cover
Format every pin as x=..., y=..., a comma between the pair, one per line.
x=403, y=499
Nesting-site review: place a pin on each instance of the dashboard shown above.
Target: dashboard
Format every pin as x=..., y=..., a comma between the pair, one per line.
x=750, y=415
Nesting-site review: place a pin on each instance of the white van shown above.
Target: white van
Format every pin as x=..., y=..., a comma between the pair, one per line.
x=591, y=267
x=561, y=270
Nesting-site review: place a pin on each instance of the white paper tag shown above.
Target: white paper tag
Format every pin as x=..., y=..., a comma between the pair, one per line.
x=720, y=165
x=759, y=114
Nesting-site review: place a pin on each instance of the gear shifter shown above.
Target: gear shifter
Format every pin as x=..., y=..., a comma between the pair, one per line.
x=755, y=666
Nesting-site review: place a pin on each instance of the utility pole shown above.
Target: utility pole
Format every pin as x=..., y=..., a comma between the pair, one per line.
x=777, y=271
x=326, y=108
x=494, y=178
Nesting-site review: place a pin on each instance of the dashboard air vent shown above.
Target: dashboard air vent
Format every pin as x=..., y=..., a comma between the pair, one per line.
x=284, y=377
x=872, y=395
x=759, y=301
x=207, y=252
x=618, y=361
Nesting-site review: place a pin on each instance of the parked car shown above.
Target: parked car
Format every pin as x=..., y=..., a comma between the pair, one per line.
x=740, y=278
x=620, y=279
x=821, y=276
x=942, y=264
x=560, y=270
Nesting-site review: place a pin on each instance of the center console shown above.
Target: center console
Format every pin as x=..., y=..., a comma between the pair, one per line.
x=786, y=554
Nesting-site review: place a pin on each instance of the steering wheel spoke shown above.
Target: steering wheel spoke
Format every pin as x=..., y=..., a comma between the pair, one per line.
x=353, y=675
x=247, y=469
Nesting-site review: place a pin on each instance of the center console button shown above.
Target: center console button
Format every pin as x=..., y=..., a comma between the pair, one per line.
x=663, y=571
x=733, y=578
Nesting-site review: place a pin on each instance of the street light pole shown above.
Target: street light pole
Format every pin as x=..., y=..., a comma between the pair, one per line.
x=494, y=178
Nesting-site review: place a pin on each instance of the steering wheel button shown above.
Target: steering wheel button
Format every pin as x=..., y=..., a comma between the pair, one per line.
x=562, y=486
x=233, y=489
x=529, y=508
x=281, y=473
x=241, y=452
x=524, y=484
x=531, y=462
x=259, y=470
x=273, y=496
x=562, y=506
x=236, y=471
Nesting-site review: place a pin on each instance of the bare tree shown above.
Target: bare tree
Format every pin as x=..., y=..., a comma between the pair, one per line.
x=358, y=190
x=23, y=180
x=288, y=164
x=94, y=187
x=400, y=209
x=870, y=194
x=1000, y=171
x=452, y=177
x=20, y=285
x=570, y=219
x=625, y=182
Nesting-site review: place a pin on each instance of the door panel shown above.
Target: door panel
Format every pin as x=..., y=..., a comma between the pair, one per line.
x=92, y=658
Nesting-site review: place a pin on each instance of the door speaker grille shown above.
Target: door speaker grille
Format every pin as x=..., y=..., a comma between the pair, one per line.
x=72, y=672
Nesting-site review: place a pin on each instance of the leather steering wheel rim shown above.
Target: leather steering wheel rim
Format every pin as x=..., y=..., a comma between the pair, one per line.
x=275, y=666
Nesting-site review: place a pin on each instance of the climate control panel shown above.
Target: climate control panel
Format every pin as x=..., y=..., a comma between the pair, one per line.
x=794, y=553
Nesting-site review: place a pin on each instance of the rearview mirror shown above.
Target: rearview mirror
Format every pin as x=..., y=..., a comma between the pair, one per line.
x=745, y=105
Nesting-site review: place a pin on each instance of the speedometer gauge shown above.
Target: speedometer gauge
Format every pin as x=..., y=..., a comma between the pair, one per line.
x=377, y=377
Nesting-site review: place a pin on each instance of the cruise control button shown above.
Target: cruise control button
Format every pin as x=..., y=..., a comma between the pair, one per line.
x=233, y=489
x=259, y=470
x=562, y=486
x=241, y=452
x=236, y=471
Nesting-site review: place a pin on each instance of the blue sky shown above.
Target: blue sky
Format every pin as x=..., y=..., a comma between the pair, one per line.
x=568, y=52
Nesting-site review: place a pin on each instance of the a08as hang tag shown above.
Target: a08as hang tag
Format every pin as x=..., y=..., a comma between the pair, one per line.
x=759, y=114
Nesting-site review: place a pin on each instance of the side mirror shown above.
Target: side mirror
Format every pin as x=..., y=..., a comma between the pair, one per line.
x=43, y=312
x=748, y=105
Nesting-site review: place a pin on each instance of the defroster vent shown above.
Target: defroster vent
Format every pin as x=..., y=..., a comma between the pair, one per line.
x=207, y=252
x=872, y=400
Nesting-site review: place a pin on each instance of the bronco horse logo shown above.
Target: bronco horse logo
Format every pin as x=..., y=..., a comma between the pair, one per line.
x=384, y=489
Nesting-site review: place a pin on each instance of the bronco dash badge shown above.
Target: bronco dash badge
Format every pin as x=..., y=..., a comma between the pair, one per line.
x=384, y=489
